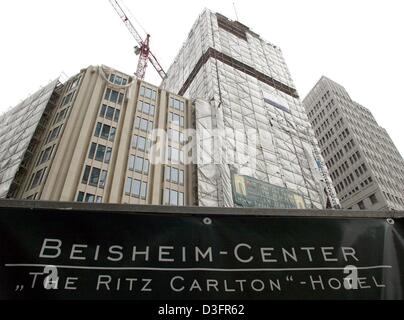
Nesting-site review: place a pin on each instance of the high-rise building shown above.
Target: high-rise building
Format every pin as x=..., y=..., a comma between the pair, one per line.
x=89, y=140
x=366, y=168
x=251, y=94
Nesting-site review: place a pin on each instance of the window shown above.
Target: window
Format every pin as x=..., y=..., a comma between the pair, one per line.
x=176, y=119
x=141, y=143
x=136, y=188
x=146, y=108
x=37, y=178
x=110, y=113
x=91, y=198
x=61, y=116
x=361, y=205
x=104, y=131
x=174, y=175
x=175, y=155
x=177, y=104
x=143, y=124
x=54, y=134
x=100, y=154
x=117, y=80
x=148, y=93
x=86, y=175
x=113, y=96
x=173, y=198
x=373, y=199
x=139, y=164
x=45, y=155
x=94, y=177
x=67, y=99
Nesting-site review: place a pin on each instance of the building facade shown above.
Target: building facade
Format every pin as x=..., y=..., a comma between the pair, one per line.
x=251, y=94
x=366, y=168
x=91, y=139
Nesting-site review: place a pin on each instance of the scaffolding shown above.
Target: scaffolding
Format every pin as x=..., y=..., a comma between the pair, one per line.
x=249, y=92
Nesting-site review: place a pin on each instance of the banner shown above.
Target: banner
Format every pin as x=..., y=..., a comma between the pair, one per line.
x=54, y=254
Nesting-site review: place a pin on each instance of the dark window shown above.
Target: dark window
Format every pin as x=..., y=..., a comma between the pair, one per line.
x=38, y=178
x=361, y=205
x=80, y=197
x=92, y=150
x=373, y=199
x=99, y=156
x=98, y=129
x=105, y=131
x=86, y=174
x=95, y=177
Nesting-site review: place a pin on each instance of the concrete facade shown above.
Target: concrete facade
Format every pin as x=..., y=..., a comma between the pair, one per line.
x=97, y=143
x=366, y=168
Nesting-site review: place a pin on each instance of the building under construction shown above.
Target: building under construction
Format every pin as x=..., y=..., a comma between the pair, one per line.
x=250, y=93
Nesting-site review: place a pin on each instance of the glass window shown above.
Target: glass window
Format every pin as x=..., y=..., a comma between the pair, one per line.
x=114, y=96
x=99, y=199
x=98, y=129
x=143, y=124
x=139, y=164
x=361, y=205
x=141, y=144
x=110, y=113
x=80, y=197
x=92, y=150
x=99, y=156
x=86, y=174
x=152, y=110
x=146, y=108
x=90, y=198
x=108, y=154
x=128, y=186
x=373, y=199
x=180, y=199
x=143, y=190
x=112, y=134
x=135, y=192
x=146, y=166
x=105, y=131
x=103, y=110
x=116, y=116
x=142, y=91
x=173, y=198
x=103, y=178
x=174, y=175
x=47, y=155
x=37, y=178
x=95, y=177
x=181, y=177
x=131, y=162
x=137, y=122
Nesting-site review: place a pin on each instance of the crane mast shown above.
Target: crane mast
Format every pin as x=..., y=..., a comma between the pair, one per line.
x=143, y=47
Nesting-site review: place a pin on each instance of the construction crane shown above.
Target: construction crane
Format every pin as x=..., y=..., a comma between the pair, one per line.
x=143, y=47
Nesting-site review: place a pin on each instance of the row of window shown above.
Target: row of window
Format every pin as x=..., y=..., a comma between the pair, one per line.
x=146, y=108
x=115, y=79
x=141, y=143
x=176, y=119
x=173, y=198
x=110, y=113
x=105, y=132
x=113, y=96
x=45, y=155
x=143, y=124
x=94, y=177
x=136, y=188
x=177, y=104
x=148, y=93
x=36, y=179
x=88, y=197
x=174, y=175
x=139, y=164
x=62, y=115
x=100, y=153
x=53, y=134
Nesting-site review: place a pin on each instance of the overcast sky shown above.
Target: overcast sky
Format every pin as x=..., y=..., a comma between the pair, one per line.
x=357, y=43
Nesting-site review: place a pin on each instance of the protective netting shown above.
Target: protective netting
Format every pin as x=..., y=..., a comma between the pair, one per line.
x=17, y=128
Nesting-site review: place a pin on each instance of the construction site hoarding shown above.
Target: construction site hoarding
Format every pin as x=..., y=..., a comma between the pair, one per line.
x=80, y=251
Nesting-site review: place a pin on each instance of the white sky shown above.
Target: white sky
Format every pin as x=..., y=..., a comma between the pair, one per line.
x=357, y=43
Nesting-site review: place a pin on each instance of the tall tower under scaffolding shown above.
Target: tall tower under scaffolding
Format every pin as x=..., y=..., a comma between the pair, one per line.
x=250, y=89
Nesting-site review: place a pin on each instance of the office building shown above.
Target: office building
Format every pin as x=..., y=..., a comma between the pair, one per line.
x=251, y=94
x=366, y=168
x=89, y=140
